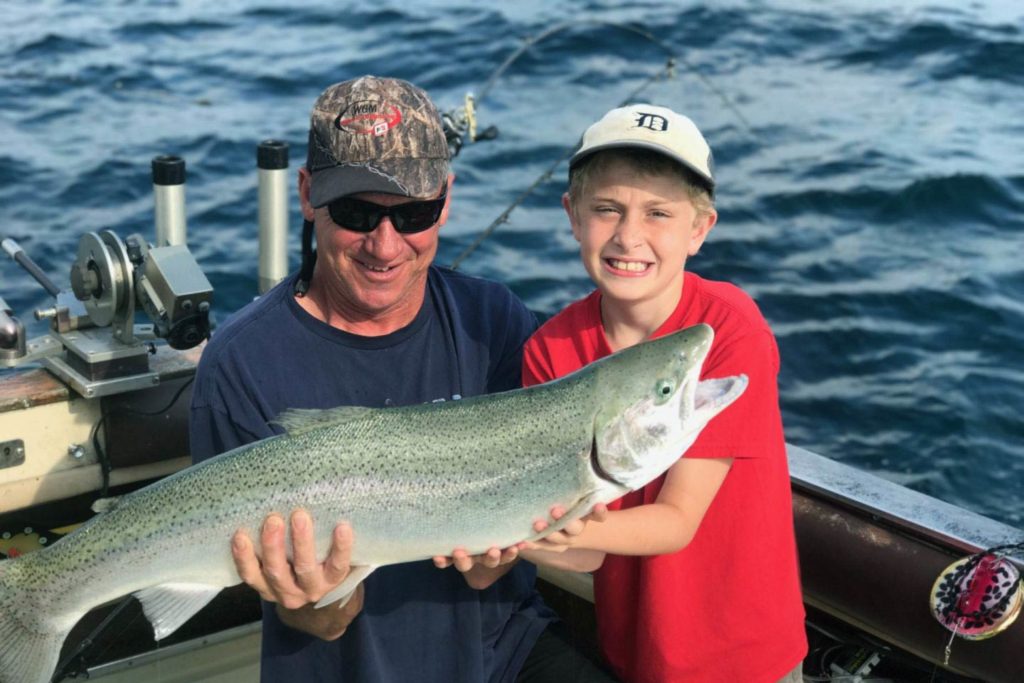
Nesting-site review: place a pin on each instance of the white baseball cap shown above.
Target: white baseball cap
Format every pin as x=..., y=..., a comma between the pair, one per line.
x=648, y=126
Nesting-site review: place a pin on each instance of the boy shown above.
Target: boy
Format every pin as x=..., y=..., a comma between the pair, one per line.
x=697, y=574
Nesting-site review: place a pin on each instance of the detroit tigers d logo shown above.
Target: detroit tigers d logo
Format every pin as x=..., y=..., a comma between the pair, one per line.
x=651, y=121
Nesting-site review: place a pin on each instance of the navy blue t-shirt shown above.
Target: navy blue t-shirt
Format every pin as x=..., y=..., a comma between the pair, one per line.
x=418, y=622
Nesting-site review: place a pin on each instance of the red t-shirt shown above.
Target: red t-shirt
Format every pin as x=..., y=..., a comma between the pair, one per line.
x=727, y=607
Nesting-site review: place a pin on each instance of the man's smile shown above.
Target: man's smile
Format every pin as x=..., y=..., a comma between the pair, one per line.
x=375, y=267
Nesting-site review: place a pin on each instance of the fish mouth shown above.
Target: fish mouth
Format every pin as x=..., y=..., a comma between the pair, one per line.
x=714, y=395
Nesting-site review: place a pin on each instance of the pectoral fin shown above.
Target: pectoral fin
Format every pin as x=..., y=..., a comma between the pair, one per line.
x=347, y=587
x=170, y=605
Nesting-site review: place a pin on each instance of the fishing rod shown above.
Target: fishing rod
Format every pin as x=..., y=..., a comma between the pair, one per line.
x=461, y=121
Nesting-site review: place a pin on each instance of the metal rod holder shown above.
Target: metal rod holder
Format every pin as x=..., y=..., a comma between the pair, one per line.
x=272, y=162
x=169, y=198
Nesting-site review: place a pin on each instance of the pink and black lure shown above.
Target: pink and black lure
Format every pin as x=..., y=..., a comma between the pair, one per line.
x=979, y=596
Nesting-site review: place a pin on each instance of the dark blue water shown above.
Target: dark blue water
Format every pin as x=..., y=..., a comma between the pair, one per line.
x=871, y=175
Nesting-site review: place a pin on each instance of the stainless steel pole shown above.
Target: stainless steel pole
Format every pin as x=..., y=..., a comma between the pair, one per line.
x=272, y=162
x=169, y=197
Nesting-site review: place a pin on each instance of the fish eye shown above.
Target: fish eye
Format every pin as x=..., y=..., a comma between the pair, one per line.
x=663, y=389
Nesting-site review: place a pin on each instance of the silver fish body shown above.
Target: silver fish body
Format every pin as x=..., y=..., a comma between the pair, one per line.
x=413, y=482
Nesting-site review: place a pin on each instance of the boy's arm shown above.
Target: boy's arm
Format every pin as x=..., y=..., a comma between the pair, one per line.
x=573, y=559
x=665, y=526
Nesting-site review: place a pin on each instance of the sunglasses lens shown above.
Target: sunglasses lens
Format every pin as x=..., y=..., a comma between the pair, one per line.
x=416, y=216
x=361, y=216
x=355, y=215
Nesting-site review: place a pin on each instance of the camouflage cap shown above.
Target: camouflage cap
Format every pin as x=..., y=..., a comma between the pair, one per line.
x=375, y=135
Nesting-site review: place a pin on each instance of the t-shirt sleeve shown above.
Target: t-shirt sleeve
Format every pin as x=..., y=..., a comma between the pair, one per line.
x=536, y=365
x=746, y=428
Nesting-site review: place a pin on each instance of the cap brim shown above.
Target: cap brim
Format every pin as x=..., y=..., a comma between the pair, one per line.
x=637, y=144
x=420, y=178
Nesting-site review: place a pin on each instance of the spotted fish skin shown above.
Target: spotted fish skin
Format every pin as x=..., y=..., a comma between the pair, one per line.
x=413, y=482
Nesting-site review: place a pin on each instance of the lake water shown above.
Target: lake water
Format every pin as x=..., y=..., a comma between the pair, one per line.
x=870, y=161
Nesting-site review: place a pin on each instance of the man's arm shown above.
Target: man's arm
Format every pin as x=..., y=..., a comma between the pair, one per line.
x=326, y=623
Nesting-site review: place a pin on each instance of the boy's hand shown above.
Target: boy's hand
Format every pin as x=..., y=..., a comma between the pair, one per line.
x=567, y=537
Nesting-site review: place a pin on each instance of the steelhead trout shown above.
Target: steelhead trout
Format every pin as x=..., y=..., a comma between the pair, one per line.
x=414, y=482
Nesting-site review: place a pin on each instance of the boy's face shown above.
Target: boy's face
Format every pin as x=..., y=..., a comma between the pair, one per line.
x=635, y=233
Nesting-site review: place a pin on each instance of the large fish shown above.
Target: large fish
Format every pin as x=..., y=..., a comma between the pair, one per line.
x=414, y=482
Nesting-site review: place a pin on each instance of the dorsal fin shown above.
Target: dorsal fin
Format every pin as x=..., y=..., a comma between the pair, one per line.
x=300, y=420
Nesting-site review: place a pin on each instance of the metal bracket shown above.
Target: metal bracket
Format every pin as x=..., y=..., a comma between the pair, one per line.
x=12, y=453
x=96, y=388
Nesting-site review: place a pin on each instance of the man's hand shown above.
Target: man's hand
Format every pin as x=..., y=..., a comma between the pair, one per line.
x=326, y=623
x=480, y=571
x=569, y=535
x=463, y=561
x=297, y=585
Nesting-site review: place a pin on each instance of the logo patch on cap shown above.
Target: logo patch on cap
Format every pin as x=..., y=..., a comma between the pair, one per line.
x=651, y=121
x=369, y=117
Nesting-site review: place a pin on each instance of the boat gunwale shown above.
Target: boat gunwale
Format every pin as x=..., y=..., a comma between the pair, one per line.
x=912, y=512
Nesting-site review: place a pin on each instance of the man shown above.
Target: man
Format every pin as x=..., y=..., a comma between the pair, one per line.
x=372, y=323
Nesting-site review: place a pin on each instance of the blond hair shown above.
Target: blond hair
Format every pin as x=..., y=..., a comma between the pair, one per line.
x=644, y=163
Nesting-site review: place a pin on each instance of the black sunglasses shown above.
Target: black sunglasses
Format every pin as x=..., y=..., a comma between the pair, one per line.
x=362, y=216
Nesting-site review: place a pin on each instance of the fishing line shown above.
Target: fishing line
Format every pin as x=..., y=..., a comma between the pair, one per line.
x=459, y=121
x=558, y=28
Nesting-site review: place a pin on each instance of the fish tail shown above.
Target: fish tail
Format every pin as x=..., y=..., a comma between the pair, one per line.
x=28, y=652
